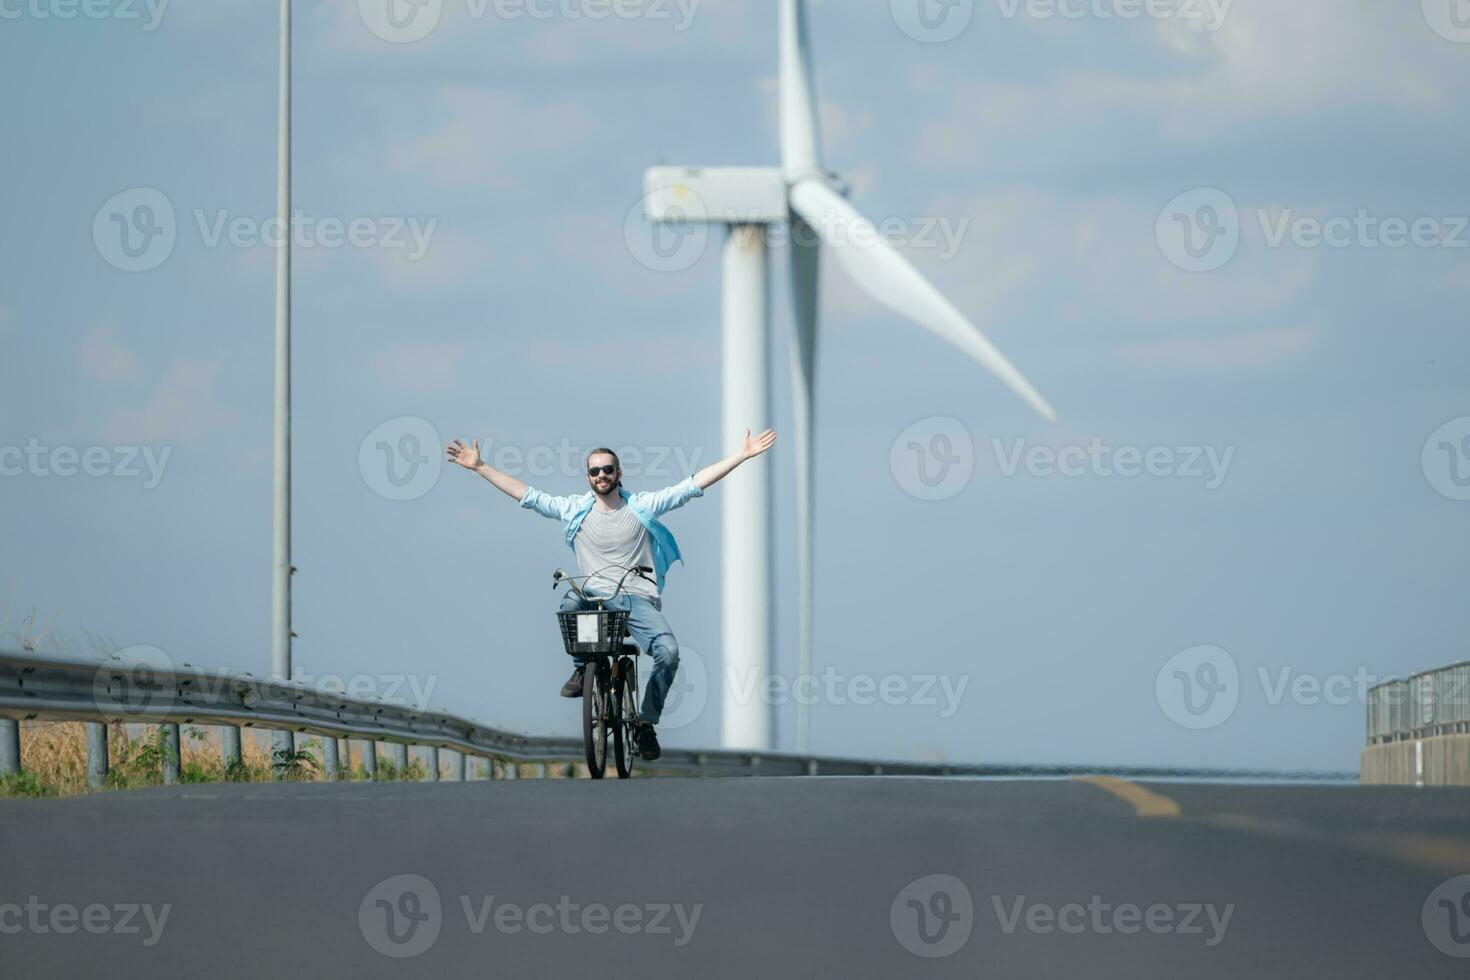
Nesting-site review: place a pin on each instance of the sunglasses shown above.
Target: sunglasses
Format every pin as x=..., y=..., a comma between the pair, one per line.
x=604, y=470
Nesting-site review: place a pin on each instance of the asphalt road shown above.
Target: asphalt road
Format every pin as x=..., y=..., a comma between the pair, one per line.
x=739, y=878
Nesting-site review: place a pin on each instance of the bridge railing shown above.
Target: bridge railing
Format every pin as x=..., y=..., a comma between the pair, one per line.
x=1435, y=702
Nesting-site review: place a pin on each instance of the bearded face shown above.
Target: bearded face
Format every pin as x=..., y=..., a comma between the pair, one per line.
x=604, y=475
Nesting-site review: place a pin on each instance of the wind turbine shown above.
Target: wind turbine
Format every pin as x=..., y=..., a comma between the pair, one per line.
x=811, y=198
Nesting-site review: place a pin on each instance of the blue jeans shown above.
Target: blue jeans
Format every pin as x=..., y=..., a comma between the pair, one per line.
x=651, y=632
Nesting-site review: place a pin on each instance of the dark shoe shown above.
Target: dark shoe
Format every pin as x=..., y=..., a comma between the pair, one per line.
x=573, y=687
x=648, y=742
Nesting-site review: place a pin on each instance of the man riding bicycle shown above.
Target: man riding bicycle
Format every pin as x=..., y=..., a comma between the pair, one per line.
x=611, y=530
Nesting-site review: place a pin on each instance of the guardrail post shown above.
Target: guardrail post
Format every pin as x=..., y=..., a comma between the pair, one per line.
x=9, y=747
x=434, y=764
x=400, y=759
x=283, y=747
x=369, y=752
x=229, y=748
x=171, y=753
x=510, y=769
x=541, y=771
x=329, y=758
x=96, y=754
x=456, y=766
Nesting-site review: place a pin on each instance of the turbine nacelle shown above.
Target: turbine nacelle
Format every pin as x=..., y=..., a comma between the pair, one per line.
x=726, y=195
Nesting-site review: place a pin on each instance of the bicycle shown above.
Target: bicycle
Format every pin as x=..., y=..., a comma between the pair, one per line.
x=610, y=680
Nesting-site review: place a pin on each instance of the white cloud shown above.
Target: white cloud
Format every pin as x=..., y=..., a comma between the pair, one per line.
x=103, y=356
x=184, y=407
x=1270, y=62
x=487, y=136
x=454, y=259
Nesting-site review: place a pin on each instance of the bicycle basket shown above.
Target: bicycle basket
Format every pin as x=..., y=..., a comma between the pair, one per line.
x=593, y=632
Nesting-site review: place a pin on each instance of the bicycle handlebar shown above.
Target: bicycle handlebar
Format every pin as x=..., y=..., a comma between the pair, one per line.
x=643, y=571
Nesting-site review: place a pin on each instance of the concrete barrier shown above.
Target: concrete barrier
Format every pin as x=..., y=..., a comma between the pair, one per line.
x=1442, y=760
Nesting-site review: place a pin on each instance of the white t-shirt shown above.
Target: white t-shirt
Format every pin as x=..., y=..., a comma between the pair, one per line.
x=616, y=538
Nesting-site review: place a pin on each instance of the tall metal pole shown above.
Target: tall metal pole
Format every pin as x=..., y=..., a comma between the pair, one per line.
x=747, y=631
x=281, y=602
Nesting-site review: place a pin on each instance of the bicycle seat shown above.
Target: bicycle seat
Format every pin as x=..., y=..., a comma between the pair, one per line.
x=630, y=647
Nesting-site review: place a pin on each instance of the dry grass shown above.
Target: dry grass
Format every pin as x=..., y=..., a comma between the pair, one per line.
x=54, y=754
x=54, y=760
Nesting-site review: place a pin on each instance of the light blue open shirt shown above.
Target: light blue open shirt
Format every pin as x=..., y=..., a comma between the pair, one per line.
x=647, y=507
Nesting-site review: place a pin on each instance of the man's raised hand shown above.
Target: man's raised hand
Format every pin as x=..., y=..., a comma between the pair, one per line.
x=754, y=447
x=466, y=456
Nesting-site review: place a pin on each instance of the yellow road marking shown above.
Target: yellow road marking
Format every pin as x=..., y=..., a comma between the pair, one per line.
x=1144, y=802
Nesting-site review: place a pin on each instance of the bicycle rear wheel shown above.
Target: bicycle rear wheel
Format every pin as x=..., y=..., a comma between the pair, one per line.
x=594, y=718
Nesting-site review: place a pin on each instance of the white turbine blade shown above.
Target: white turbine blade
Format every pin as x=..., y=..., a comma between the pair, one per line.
x=801, y=153
x=805, y=265
x=889, y=278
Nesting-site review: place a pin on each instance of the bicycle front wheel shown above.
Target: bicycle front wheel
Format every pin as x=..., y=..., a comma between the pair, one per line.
x=625, y=716
x=594, y=718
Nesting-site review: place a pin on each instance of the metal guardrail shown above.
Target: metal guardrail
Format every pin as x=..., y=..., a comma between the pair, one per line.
x=48, y=687
x=1435, y=702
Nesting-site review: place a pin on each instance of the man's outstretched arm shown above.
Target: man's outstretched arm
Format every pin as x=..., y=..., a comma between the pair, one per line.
x=750, y=449
x=469, y=458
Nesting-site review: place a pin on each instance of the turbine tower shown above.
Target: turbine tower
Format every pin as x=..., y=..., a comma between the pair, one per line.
x=812, y=200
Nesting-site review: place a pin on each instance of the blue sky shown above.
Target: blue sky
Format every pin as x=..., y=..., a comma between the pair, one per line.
x=1329, y=375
